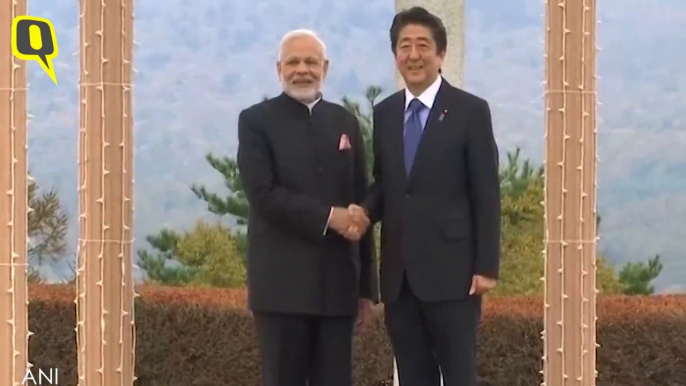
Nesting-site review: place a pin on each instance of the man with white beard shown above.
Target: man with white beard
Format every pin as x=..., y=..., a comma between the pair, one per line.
x=312, y=274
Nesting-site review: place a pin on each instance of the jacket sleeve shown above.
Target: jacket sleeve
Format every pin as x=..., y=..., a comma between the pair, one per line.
x=285, y=209
x=369, y=277
x=373, y=203
x=484, y=190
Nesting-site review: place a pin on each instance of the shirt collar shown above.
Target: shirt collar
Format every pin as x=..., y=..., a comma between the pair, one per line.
x=428, y=96
x=312, y=104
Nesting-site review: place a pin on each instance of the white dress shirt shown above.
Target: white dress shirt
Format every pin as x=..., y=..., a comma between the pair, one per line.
x=428, y=97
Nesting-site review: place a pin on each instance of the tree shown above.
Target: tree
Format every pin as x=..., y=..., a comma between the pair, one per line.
x=213, y=253
x=366, y=120
x=48, y=225
x=522, y=262
x=635, y=278
x=516, y=177
x=207, y=255
x=155, y=264
x=522, y=235
x=235, y=203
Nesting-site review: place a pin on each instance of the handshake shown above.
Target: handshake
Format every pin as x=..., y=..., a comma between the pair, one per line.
x=351, y=222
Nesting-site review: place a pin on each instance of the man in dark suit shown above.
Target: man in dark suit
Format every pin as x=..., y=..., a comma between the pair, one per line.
x=436, y=191
x=310, y=275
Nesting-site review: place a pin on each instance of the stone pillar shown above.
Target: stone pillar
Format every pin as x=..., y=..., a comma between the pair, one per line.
x=570, y=199
x=14, y=333
x=105, y=288
x=451, y=13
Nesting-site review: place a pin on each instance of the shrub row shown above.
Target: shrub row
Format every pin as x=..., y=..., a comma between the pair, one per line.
x=205, y=337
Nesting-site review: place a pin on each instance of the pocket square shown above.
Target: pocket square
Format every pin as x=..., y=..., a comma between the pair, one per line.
x=344, y=142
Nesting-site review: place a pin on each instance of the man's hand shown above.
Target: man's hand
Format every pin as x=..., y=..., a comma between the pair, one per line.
x=481, y=285
x=341, y=221
x=359, y=218
x=364, y=315
x=351, y=223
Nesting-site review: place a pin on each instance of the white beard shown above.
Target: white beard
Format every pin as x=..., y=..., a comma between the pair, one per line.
x=305, y=95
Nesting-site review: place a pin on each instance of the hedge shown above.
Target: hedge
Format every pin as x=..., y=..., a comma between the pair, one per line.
x=205, y=337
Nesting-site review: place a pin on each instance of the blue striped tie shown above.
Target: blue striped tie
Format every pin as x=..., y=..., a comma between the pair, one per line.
x=413, y=133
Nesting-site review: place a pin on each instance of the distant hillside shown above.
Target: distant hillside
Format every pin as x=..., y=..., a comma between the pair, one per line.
x=201, y=62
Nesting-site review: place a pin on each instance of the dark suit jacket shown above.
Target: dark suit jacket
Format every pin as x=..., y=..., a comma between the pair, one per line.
x=440, y=225
x=293, y=172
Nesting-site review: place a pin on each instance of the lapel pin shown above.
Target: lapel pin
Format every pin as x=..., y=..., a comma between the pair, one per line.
x=443, y=114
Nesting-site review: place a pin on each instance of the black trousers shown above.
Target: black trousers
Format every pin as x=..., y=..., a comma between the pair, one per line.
x=432, y=338
x=301, y=350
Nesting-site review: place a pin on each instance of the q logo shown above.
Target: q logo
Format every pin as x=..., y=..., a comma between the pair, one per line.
x=33, y=38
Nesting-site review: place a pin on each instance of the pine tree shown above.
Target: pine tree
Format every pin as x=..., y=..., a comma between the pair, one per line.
x=48, y=225
x=516, y=176
x=366, y=120
x=635, y=278
x=235, y=203
x=155, y=263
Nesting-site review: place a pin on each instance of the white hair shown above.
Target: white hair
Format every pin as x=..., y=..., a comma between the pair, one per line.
x=298, y=33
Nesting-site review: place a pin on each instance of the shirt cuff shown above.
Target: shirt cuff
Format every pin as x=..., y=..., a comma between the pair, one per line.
x=326, y=227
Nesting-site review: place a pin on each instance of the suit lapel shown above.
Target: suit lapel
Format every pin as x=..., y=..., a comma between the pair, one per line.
x=432, y=130
x=397, y=123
